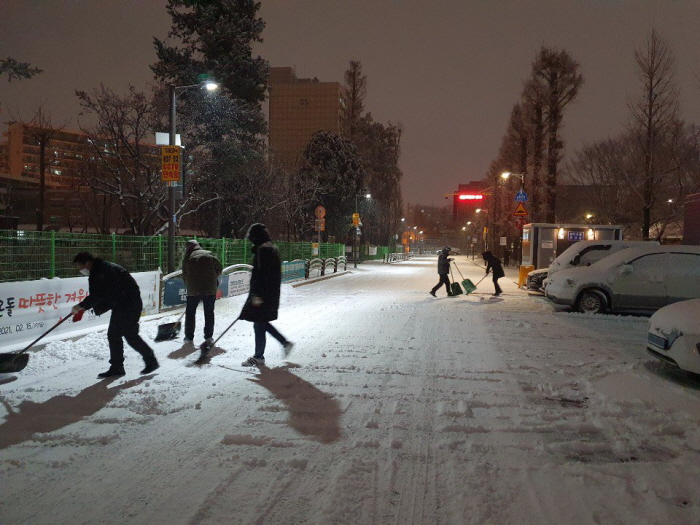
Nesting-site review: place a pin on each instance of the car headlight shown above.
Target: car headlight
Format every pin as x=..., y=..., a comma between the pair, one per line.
x=570, y=282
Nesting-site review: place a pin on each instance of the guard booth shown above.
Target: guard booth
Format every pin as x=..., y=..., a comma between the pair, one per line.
x=542, y=242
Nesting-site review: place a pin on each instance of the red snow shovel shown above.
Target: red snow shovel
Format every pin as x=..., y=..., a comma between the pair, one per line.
x=10, y=363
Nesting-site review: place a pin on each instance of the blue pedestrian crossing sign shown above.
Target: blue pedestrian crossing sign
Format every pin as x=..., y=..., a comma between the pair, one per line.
x=521, y=196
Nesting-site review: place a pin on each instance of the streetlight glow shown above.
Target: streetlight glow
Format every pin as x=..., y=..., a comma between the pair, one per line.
x=210, y=85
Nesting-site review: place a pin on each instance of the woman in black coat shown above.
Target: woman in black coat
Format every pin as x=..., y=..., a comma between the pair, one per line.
x=494, y=263
x=264, y=298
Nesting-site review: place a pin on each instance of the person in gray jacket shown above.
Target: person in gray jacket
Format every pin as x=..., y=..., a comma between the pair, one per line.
x=443, y=268
x=200, y=271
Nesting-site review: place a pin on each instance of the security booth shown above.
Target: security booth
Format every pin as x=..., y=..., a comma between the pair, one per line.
x=542, y=242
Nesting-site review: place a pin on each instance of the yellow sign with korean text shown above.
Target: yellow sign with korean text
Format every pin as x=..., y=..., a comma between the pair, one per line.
x=171, y=157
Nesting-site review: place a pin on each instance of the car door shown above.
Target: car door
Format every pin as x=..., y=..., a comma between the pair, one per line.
x=682, y=277
x=639, y=285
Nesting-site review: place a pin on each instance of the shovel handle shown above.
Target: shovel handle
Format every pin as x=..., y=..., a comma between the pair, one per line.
x=46, y=333
x=460, y=273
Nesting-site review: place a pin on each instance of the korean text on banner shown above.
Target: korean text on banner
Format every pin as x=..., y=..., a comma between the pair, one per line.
x=29, y=308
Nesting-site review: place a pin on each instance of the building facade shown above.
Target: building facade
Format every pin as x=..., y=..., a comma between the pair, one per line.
x=298, y=108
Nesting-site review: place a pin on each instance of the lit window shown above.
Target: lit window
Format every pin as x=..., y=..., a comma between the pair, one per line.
x=561, y=233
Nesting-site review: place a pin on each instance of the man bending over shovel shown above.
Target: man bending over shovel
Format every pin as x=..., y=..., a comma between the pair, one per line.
x=113, y=288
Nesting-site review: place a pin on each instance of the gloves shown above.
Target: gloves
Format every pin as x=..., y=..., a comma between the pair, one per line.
x=77, y=309
x=77, y=316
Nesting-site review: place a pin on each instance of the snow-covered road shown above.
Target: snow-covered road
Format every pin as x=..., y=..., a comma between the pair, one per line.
x=395, y=408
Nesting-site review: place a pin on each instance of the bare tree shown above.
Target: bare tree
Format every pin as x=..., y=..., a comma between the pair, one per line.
x=355, y=91
x=558, y=80
x=533, y=116
x=654, y=114
x=127, y=163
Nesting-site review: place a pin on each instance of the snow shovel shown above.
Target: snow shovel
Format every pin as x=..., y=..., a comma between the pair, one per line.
x=469, y=286
x=455, y=288
x=10, y=363
x=169, y=331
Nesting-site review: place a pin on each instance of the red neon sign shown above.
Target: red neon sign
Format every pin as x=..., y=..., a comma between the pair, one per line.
x=470, y=197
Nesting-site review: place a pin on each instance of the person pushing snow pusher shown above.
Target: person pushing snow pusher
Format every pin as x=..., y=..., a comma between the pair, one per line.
x=264, y=298
x=443, y=269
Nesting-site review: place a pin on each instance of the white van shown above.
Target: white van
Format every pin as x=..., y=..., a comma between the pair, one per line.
x=582, y=253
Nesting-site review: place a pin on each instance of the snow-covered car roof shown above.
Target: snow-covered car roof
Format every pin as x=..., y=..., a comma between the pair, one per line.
x=565, y=258
x=623, y=257
x=683, y=316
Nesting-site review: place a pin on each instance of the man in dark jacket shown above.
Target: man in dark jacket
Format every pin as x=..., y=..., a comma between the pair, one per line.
x=264, y=298
x=494, y=263
x=113, y=288
x=443, y=268
x=200, y=271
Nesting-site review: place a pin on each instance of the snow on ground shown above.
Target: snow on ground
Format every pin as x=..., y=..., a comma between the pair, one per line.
x=395, y=407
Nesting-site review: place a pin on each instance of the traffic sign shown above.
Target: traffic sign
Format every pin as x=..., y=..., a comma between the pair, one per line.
x=355, y=219
x=520, y=211
x=521, y=196
x=320, y=225
x=520, y=222
x=170, y=163
x=320, y=212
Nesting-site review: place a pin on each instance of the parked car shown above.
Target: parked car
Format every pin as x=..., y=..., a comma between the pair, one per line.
x=674, y=335
x=636, y=279
x=453, y=251
x=582, y=253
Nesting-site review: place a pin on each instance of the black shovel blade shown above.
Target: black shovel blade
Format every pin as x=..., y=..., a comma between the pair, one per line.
x=168, y=331
x=10, y=363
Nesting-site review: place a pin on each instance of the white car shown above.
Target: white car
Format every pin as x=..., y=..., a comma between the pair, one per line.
x=582, y=253
x=636, y=279
x=674, y=335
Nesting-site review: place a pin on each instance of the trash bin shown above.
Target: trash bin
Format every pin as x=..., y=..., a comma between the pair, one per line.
x=522, y=276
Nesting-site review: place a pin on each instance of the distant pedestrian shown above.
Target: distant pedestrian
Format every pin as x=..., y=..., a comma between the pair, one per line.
x=443, y=269
x=494, y=263
x=113, y=288
x=200, y=272
x=264, y=298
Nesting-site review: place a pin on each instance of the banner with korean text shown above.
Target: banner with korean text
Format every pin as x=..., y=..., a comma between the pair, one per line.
x=30, y=308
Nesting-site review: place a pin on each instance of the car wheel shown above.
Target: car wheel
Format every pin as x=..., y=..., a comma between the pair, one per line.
x=592, y=302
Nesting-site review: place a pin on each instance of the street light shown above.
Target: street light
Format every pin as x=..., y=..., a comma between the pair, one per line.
x=506, y=174
x=357, y=230
x=209, y=85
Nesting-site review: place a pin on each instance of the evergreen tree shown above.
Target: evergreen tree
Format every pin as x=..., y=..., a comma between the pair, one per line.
x=214, y=39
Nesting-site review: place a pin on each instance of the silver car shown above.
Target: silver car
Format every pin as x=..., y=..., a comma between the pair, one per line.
x=635, y=279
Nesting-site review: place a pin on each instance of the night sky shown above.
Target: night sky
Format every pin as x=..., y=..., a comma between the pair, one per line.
x=448, y=70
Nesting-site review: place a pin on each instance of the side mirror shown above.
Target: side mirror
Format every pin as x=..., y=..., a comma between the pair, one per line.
x=626, y=269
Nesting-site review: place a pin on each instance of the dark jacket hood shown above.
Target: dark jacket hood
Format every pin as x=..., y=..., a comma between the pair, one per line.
x=258, y=234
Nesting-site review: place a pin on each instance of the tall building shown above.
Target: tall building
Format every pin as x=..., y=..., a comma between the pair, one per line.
x=298, y=108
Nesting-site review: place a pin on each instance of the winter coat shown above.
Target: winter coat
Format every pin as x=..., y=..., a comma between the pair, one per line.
x=265, y=283
x=111, y=288
x=201, y=271
x=493, y=263
x=443, y=265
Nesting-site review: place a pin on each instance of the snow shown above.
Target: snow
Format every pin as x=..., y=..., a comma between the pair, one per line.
x=395, y=407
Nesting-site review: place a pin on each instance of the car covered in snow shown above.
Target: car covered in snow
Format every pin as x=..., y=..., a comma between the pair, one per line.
x=580, y=254
x=640, y=279
x=674, y=335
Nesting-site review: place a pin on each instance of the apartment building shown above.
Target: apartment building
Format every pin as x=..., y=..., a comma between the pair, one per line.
x=298, y=108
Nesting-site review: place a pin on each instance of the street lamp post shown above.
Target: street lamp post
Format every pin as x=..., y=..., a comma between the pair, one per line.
x=172, y=220
x=357, y=231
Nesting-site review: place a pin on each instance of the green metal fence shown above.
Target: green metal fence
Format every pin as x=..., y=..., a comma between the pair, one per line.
x=30, y=255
